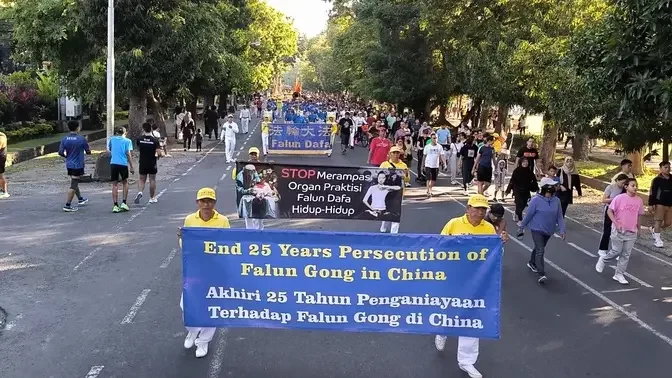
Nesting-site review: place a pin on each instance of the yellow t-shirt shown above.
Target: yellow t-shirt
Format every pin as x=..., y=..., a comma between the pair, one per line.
x=264, y=127
x=497, y=145
x=399, y=165
x=3, y=141
x=461, y=226
x=217, y=221
x=334, y=127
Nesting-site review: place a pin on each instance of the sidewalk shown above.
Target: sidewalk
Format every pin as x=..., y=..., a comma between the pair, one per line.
x=607, y=155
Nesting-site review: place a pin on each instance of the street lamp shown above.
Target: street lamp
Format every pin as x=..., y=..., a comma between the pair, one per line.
x=110, y=70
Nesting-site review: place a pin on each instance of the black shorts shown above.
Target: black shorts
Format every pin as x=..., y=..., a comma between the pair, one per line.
x=345, y=138
x=77, y=172
x=432, y=173
x=484, y=174
x=3, y=161
x=118, y=172
x=147, y=169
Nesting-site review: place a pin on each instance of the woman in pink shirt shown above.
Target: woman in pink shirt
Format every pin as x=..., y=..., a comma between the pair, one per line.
x=624, y=212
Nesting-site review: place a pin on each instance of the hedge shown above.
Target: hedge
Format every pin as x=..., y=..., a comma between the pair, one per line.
x=122, y=114
x=28, y=130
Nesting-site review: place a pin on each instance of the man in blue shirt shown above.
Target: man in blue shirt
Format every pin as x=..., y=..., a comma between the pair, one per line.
x=73, y=148
x=443, y=136
x=121, y=163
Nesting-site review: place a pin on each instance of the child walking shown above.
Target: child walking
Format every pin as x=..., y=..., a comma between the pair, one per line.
x=624, y=212
x=199, y=141
x=500, y=176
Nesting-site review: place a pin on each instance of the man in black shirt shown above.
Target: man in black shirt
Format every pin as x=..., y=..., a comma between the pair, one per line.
x=345, y=128
x=150, y=150
x=531, y=154
x=210, y=118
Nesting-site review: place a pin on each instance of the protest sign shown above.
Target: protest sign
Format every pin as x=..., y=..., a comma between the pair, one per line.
x=275, y=190
x=299, y=138
x=357, y=282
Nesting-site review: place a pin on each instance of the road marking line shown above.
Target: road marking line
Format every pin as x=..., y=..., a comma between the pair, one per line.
x=223, y=177
x=596, y=293
x=135, y=215
x=168, y=259
x=228, y=168
x=582, y=250
x=136, y=306
x=94, y=371
x=218, y=359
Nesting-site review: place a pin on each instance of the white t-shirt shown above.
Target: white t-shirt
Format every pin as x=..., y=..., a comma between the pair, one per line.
x=432, y=155
x=378, y=196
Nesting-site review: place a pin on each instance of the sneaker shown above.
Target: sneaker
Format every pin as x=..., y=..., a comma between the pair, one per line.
x=440, y=342
x=190, y=339
x=454, y=182
x=599, y=266
x=471, y=370
x=532, y=268
x=620, y=279
x=602, y=253
x=153, y=200
x=520, y=233
x=69, y=209
x=201, y=350
x=658, y=243
x=4, y=195
x=82, y=201
x=137, y=198
x=116, y=209
x=124, y=207
x=542, y=279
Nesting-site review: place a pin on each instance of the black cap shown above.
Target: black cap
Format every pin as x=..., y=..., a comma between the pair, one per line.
x=497, y=210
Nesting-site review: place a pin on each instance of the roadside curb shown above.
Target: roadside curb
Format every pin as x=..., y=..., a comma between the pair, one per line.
x=3, y=318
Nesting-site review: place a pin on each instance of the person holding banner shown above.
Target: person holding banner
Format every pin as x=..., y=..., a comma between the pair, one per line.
x=228, y=135
x=394, y=162
x=206, y=217
x=265, y=124
x=246, y=186
x=472, y=223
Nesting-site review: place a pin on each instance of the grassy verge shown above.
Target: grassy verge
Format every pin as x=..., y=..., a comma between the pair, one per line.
x=605, y=172
x=48, y=161
x=33, y=143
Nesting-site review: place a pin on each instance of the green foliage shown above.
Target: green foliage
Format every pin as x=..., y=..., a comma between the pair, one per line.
x=17, y=132
x=48, y=87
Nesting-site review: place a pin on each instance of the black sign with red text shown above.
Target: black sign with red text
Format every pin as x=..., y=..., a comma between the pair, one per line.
x=276, y=190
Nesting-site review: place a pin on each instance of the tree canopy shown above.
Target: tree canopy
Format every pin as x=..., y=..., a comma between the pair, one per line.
x=167, y=49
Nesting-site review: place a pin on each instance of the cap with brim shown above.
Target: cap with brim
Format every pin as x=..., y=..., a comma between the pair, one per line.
x=478, y=200
x=253, y=150
x=395, y=149
x=206, y=193
x=547, y=182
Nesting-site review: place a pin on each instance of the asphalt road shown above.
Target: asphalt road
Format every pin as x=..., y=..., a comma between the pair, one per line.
x=95, y=294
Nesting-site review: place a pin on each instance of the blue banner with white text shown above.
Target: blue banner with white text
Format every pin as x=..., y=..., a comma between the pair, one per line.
x=343, y=281
x=299, y=138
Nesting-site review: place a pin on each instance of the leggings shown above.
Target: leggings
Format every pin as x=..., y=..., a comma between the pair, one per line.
x=520, y=198
x=606, y=233
x=466, y=173
x=187, y=141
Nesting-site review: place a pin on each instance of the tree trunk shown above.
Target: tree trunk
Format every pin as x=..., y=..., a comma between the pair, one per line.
x=442, y=114
x=427, y=111
x=637, y=162
x=666, y=149
x=483, y=113
x=548, y=142
x=159, y=113
x=221, y=106
x=580, y=147
x=137, y=112
x=208, y=100
x=502, y=118
x=192, y=106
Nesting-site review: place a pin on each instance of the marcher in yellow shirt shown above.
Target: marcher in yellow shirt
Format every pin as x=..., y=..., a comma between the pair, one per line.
x=331, y=120
x=265, y=125
x=207, y=217
x=497, y=143
x=3, y=161
x=472, y=223
x=394, y=161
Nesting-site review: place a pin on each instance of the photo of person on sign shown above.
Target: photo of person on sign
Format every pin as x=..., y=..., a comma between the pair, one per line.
x=257, y=198
x=375, y=198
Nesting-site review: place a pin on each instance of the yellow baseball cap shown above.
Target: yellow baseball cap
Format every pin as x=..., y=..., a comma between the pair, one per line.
x=478, y=200
x=253, y=150
x=206, y=193
x=395, y=149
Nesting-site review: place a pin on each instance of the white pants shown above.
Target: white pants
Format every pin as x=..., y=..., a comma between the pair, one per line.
x=453, y=167
x=264, y=143
x=467, y=350
x=230, y=148
x=333, y=140
x=245, y=123
x=393, y=226
x=254, y=224
x=205, y=334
